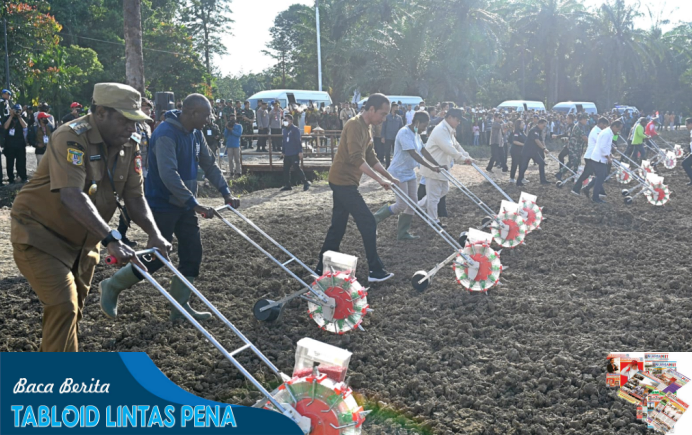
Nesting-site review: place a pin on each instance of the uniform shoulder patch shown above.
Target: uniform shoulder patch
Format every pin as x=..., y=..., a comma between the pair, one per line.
x=75, y=156
x=80, y=127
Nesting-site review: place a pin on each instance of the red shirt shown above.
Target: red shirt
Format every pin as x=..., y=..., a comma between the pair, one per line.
x=650, y=129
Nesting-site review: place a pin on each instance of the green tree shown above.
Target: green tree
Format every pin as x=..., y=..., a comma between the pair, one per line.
x=175, y=64
x=206, y=21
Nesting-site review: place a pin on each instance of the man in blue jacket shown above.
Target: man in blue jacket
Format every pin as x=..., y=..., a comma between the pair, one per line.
x=176, y=149
x=292, y=153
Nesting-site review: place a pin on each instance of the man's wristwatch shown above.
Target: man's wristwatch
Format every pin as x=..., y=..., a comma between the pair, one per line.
x=113, y=236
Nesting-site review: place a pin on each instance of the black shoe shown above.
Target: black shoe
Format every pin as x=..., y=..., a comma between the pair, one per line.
x=519, y=184
x=586, y=192
x=598, y=201
x=505, y=170
x=574, y=192
x=559, y=176
x=285, y=188
x=489, y=170
x=306, y=186
x=130, y=243
x=544, y=182
x=379, y=276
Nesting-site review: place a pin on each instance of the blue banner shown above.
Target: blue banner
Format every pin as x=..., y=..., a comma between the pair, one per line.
x=119, y=393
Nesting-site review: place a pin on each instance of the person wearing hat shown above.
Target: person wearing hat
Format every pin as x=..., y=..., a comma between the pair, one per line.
x=6, y=103
x=60, y=218
x=45, y=108
x=176, y=150
x=578, y=140
x=15, y=143
x=42, y=134
x=74, y=113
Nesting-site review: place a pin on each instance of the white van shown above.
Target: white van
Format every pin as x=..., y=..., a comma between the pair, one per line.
x=575, y=107
x=291, y=96
x=522, y=105
x=406, y=100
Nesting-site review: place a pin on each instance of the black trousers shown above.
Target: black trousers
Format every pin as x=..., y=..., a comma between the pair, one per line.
x=388, y=149
x=601, y=172
x=537, y=157
x=586, y=173
x=262, y=141
x=16, y=158
x=185, y=226
x=276, y=141
x=289, y=163
x=497, y=154
x=441, y=206
x=636, y=153
x=515, y=152
x=348, y=201
x=687, y=166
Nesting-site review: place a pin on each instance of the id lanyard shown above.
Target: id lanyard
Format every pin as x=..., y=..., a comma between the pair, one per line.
x=110, y=178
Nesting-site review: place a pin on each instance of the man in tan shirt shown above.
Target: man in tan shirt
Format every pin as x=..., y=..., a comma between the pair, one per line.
x=354, y=157
x=60, y=218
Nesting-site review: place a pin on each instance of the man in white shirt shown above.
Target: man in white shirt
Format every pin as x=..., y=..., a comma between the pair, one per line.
x=443, y=148
x=588, y=162
x=409, y=115
x=601, y=156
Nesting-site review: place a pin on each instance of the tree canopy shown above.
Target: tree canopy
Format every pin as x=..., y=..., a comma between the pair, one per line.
x=468, y=51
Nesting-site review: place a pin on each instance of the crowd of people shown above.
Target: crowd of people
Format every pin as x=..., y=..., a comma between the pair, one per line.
x=120, y=159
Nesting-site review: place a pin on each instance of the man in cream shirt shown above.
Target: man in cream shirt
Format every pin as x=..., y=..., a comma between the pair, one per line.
x=444, y=148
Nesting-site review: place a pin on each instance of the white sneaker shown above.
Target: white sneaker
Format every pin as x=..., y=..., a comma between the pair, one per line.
x=524, y=181
x=512, y=180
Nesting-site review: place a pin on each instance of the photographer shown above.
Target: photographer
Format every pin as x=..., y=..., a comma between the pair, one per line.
x=42, y=133
x=15, y=144
x=45, y=108
x=74, y=114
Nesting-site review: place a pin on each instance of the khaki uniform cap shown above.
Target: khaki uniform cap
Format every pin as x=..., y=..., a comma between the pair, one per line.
x=123, y=98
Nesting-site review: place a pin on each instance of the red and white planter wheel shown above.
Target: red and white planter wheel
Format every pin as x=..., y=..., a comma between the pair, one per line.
x=329, y=405
x=487, y=274
x=350, y=298
x=670, y=160
x=623, y=177
x=659, y=194
x=514, y=234
x=679, y=153
x=534, y=215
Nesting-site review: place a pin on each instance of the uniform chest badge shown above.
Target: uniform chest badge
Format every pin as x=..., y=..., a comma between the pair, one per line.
x=138, y=164
x=75, y=156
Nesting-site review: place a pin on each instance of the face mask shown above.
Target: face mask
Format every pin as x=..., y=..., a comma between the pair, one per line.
x=415, y=129
x=285, y=123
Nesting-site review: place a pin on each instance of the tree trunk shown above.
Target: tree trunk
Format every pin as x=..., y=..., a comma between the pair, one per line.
x=207, y=61
x=134, y=59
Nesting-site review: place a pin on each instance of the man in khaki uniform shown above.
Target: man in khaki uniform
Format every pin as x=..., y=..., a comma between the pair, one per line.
x=61, y=216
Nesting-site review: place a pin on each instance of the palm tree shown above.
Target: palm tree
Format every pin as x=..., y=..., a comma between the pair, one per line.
x=134, y=59
x=622, y=47
x=549, y=28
